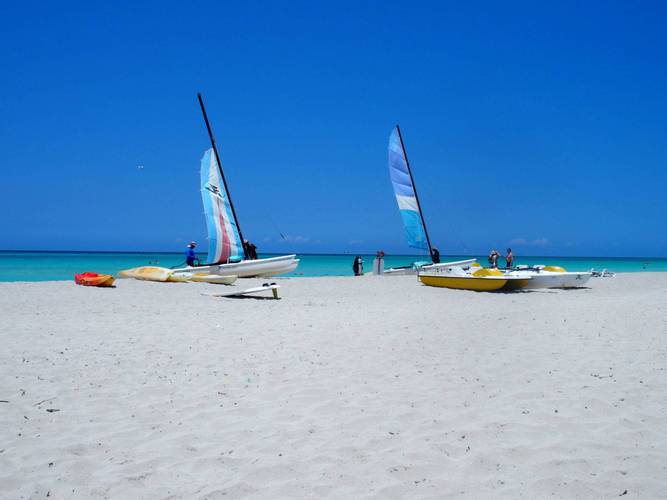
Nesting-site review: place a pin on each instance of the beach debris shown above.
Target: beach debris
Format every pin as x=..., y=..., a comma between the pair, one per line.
x=52, y=410
x=604, y=273
x=43, y=401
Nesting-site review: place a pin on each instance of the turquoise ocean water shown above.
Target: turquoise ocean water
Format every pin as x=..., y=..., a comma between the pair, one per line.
x=46, y=266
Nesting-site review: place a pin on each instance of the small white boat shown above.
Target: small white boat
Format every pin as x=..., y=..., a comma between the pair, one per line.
x=548, y=277
x=416, y=268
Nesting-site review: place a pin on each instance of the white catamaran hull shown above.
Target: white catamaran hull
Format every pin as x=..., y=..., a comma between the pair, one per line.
x=548, y=279
x=442, y=266
x=249, y=268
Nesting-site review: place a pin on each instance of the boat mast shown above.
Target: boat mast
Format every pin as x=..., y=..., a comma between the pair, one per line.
x=222, y=174
x=421, y=214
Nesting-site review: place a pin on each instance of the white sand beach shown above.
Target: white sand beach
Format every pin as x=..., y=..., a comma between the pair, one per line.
x=373, y=387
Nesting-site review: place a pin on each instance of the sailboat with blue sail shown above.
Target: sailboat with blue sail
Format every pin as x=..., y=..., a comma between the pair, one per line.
x=227, y=254
x=410, y=209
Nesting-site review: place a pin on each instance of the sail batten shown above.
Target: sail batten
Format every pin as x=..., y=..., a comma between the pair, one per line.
x=406, y=197
x=224, y=241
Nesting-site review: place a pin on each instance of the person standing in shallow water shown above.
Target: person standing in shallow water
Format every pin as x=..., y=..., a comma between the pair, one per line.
x=509, y=259
x=358, y=266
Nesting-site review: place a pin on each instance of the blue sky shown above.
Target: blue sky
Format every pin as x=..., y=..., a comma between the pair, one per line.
x=540, y=126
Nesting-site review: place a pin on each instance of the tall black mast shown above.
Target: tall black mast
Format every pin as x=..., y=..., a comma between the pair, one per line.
x=421, y=214
x=222, y=174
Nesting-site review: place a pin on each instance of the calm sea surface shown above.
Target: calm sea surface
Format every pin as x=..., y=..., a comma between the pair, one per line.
x=45, y=266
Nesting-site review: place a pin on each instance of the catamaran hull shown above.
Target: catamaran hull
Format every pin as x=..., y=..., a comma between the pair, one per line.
x=249, y=268
x=403, y=271
x=546, y=279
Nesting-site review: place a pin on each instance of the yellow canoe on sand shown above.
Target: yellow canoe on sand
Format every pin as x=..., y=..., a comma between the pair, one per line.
x=162, y=274
x=482, y=280
x=147, y=273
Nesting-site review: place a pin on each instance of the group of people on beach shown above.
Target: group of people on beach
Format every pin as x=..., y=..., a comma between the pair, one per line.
x=357, y=265
x=495, y=255
x=358, y=262
x=250, y=250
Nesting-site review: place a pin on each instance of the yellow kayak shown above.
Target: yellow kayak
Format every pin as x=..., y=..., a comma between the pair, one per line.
x=154, y=273
x=147, y=273
x=482, y=280
x=488, y=284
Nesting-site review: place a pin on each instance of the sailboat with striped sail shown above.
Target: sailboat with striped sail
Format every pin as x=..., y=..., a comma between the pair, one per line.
x=410, y=208
x=227, y=255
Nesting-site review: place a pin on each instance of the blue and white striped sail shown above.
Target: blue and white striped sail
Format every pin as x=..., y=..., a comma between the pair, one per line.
x=405, y=193
x=224, y=241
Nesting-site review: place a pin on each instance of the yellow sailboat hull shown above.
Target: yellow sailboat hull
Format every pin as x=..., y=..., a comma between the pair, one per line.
x=477, y=284
x=147, y=273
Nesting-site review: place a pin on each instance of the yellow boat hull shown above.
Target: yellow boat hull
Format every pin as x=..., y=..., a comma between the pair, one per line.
x=147, y=273
x=517, y=284
x=477, y=284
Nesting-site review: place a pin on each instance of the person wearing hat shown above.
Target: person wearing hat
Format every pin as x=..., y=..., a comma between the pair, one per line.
x=190, y=256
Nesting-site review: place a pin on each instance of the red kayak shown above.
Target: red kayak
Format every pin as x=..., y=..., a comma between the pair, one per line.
x=94, y=279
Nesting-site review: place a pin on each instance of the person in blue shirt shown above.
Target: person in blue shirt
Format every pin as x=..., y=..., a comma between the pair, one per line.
x=190, y=256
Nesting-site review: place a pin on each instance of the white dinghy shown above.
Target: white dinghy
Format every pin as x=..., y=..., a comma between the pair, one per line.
x=271, y=266
x=417, y=267
x=548, y=277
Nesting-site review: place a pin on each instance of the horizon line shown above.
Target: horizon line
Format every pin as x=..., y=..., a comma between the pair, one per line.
x=331, y=253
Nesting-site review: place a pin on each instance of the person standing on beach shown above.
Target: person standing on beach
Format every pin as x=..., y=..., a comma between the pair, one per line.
x=253, y=251
x=378, y=263
x=509, y=259
x=190, y=255
x=493, y=259
x=250, y=250
x=358, y=266
x=435, y=256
